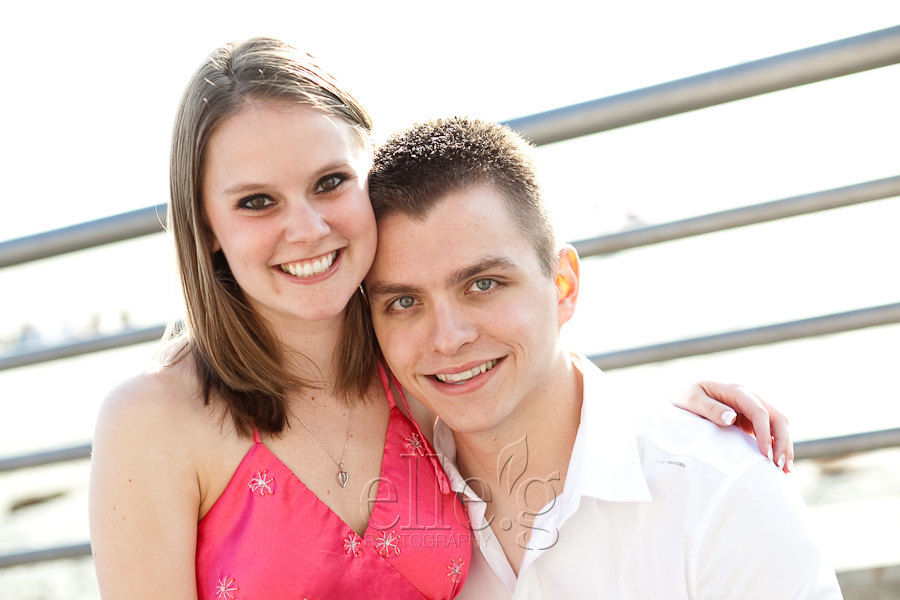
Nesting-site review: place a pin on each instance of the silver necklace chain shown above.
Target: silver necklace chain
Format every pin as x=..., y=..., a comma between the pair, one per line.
x=342, y=476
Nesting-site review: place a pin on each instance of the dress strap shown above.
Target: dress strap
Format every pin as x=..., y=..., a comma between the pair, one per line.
x=256, y=438
x=386, y=379
x=386, y=384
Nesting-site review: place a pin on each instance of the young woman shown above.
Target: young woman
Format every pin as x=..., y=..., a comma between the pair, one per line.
x=269, y=454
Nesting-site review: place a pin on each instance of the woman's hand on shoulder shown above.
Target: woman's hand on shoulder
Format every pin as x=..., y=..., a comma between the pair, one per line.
x=729, y=403
x=144, y=493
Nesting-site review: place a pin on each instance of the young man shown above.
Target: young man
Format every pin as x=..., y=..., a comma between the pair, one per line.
x=569, y=497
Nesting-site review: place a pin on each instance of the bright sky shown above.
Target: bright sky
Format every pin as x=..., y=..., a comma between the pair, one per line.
x=90, y=89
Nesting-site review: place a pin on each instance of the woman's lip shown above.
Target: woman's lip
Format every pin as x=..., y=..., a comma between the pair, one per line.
x=307, y=271
x=319, y=263
x=310, y=259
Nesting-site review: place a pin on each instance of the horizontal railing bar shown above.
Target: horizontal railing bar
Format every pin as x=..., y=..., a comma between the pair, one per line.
x=807, y=449
x=95, y=344
x=844, y=445
x=146, y=221
x=45, y=554
x=872, y=576
x=45, y=457
x=769, y=334
x=833, y=447
x=877, y=582
x=117, y=228
x=817, y=63
x=878, y=189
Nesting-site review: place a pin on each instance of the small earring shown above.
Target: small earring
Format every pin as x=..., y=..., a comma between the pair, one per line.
x=362, y=291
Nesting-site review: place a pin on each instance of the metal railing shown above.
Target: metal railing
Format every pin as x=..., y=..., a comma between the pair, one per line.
x=817, y=63
x=851, y=55
x=117, y=228
x=739, y=217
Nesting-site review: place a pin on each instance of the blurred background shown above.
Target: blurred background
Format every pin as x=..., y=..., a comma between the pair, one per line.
x=89, y=92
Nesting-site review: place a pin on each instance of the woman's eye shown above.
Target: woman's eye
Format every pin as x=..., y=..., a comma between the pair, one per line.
x=483, y=285
x=257, y=202
x=402, y=303
x=330, y=183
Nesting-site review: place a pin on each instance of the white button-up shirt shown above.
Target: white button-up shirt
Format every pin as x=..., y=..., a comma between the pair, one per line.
x=663, y=506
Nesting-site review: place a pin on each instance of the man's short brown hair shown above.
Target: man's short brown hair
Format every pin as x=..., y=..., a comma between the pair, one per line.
x=419, y=166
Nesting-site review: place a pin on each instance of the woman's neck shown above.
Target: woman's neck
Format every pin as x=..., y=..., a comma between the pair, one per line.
x=310, y=346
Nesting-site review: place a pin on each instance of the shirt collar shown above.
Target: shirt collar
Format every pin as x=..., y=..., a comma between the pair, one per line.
x=605, y=463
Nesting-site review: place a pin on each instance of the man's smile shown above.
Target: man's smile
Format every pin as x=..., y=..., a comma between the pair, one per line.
x=464, y=376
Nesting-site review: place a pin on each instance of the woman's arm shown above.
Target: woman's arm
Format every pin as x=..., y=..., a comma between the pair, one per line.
x=729, y=403
x=144, y=496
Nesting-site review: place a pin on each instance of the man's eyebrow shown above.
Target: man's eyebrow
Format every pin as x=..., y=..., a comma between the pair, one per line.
x=383, y=288
x=490, y=263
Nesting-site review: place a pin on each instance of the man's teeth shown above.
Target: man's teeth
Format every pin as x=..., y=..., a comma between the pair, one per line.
x=465, y=375
x=312, y=267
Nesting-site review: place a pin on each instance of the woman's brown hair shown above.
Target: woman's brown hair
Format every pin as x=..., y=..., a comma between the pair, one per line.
x=236, y=354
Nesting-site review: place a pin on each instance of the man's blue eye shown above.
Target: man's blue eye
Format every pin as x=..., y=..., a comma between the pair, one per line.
x=403, y=303
x=483, y=285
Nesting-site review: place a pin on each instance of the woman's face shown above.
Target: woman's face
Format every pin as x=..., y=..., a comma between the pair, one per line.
x=284, y=191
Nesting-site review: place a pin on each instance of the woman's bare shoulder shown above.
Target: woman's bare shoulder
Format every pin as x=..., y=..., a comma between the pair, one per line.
x=158, y=406
x=160, y=389
x=145, y=491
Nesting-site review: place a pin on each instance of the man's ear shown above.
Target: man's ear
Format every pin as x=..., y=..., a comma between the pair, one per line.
x=567, y=278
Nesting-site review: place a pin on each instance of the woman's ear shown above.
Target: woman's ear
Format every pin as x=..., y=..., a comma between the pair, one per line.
x=566, y=279
x=212, y=241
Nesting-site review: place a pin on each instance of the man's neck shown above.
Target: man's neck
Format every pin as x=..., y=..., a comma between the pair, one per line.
x=520, y=466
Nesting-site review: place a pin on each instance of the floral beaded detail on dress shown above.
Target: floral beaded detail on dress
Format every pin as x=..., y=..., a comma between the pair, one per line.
x=262, y=483
x=225, y=589
x=414, y=443
x=386, y=542
x=454, y=569
x=353, y=544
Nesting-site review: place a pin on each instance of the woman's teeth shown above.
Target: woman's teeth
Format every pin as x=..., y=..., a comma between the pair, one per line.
x=307, y=268
x=466, y=375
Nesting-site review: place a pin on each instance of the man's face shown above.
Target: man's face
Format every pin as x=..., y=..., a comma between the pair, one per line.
x=467, y=320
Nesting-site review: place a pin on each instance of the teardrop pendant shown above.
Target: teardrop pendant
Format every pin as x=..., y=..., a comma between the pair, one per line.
x=343, y=476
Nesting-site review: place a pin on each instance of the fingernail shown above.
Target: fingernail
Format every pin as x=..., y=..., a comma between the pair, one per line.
x=781, y=461
x=728, y=417
x=791, y=465
x=770, y=455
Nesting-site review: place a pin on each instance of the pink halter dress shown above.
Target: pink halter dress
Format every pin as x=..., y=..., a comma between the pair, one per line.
x=269, y=537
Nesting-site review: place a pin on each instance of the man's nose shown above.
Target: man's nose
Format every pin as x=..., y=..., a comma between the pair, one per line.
x=451, y=329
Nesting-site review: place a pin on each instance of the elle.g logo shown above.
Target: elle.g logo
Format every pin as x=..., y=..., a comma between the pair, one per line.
x=533, y=496
x=423, y=521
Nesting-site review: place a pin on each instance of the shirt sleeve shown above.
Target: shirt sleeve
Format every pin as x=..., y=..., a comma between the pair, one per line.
x=756, y=544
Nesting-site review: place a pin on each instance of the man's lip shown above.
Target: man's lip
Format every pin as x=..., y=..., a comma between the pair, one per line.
x=444, y=376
